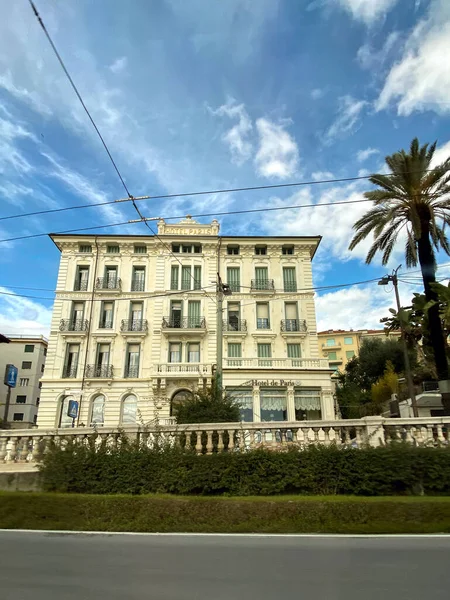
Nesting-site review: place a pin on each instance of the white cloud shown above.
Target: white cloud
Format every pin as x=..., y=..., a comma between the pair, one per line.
x=317, y=93
x=367, y=11
x=356, y=307
x=371, y=59
x=441, y=154
x=236, y=138
x=277, y=154
x=11, y=155
x=119, y=64
x=318, y=175
x=347, y=119
x=420, y=80
x=363, y=155
x=19, y=315
x=31, y=98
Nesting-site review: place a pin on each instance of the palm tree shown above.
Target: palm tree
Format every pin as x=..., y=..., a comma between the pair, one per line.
x=414, y=199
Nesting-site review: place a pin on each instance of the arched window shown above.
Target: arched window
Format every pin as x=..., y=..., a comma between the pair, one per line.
x=98, y=410
x=129, y=410
x=64, y=419
x=178, y=398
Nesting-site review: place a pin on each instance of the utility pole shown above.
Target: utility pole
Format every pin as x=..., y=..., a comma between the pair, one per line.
x=223, y=289
x=385, y=281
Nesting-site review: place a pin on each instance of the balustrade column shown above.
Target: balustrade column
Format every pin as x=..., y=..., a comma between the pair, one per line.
x=3, y=444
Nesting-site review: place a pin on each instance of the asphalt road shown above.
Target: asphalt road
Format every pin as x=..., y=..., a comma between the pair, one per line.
x=39, y=566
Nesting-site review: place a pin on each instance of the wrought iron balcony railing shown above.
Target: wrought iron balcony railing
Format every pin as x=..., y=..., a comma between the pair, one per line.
x=108, y=283
x=183, y=323
x=100, y=371
x=70, y=371
x=131, y=371
x=134, y=325
x=259, y=285
x=293, y=325
x=262, y=323
x=73, y=325
x=137, y=285
x=235, y=286
x=81, y=285
x=290, y=286
x=235, y=325
x=106, y=324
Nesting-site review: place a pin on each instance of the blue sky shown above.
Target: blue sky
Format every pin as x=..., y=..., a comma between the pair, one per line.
x=196, y=95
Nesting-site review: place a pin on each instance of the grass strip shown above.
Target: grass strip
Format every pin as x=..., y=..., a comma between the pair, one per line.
x=287, y=514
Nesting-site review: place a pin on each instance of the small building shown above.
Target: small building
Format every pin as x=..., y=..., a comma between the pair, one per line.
x=28, y=354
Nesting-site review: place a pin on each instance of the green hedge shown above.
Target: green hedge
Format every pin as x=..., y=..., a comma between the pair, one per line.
x=286, y=514
x=397, y=469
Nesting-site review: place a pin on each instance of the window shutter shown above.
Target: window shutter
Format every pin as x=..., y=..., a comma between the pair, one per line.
x=174, y=277
x=185, y=278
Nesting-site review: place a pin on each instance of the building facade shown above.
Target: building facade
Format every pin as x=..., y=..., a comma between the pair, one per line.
x=28, y=353
x=134, y=326
x=339, y=345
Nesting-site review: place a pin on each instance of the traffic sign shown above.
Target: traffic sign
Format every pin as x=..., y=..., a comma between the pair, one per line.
x=72, y=411
x=11, y=373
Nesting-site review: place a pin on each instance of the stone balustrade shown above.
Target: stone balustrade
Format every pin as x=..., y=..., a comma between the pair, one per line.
x=29, y=445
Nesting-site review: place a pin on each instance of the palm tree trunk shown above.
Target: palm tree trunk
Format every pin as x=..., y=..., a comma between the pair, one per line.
x=428, y=268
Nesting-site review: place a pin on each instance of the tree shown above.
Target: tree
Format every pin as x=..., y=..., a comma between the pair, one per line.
x=415, y=199
x=212, y=405
x=386, y=385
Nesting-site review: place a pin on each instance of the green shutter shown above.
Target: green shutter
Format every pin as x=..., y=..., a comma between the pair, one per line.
x=264, y=351
x=186, y=278
x=234, y=278
x=290, y=283
x=293, y=350
x=197, y=278
x=234, y=350
x=174, y=277
x=261, y=274
x=194, y=313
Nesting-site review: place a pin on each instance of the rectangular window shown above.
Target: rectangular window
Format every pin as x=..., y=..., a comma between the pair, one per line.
x=287, y=250
x=103, y=352
x=136, y=316
x=186, y=249
x=77, y=316
x=112, y=249
x=106, y=315
x=197, y=249
x=193, y=352
x=194, y=318
x=29, y=347
x=175, y=352
x=132, y=360
x=264, y=353
x=85, y=248
x=273, y=404
x=174, y=274
x=18, y=417
x=331, y=342
x=262, y=315
x=197, y=278
x=186, y=278
x=332, y=356
x=294, y=352
x=176, y=313
x=234, y=355
x=234, y=278
x=71, y=361
x=289, y=279
x=291, y=313
x=110, y=278
x=233, y=250
x=350, y=353
x=307, y=405
x=21, y=399
x=140, y=249
x=348, y=341
x=244, y=398
x=26, y=364
x=261, y=278
x=24, y=381
x=234, y=316
x=81, y=279
x=138, y=279
x=261, y=250
x=176, y=248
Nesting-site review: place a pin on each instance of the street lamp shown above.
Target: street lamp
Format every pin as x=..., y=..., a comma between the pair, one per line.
x=385, y=281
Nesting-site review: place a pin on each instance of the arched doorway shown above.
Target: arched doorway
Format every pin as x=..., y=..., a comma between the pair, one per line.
x=178, y=398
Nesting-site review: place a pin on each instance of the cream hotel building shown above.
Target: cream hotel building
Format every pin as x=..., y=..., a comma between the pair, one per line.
x=135, y=320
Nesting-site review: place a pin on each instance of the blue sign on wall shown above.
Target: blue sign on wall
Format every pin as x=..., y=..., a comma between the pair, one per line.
x=72, y=411
x=11, y=373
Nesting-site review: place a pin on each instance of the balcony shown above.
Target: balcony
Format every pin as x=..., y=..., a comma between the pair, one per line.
x=293, y=326
x=188, y=325
x=131, y=372
x=262, y=286
x=137, y=285
x=235, y=326
x=333, y=346
x=235, y=287
x=98, y=371
x=186, y=369
x=81, y=286
x=290, y=286
x=139, y=326
x=108, y=284
x=69, y=372
x=275, y=363
x=74, y=326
